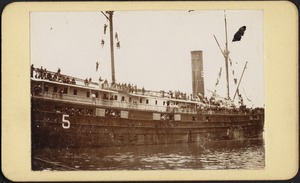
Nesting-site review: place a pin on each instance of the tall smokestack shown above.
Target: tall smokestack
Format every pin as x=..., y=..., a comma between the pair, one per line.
x=197, y=73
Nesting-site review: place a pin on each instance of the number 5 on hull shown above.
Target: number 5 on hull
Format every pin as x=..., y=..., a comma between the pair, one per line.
x=65, y=123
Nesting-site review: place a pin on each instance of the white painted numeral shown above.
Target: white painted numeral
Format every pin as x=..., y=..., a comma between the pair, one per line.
x=65, y=123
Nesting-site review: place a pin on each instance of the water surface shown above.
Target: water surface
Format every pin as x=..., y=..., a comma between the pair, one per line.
x=236, y=154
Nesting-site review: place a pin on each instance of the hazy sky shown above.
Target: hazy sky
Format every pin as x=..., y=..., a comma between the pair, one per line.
x=155, y=48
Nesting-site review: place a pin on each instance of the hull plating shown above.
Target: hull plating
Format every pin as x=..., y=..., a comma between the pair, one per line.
x=50, y=130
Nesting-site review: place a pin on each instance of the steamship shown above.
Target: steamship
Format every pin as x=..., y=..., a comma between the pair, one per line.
x=73, y=112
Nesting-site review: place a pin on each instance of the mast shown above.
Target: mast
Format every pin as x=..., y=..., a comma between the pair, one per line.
x=226, y=55
x=110, y=19
x=110, y=13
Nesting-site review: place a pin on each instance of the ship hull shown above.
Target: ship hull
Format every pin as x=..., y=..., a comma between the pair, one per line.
x=50, y=128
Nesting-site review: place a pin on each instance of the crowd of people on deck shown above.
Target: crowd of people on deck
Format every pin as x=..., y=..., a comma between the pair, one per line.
x=112, y=113
x=74, y=111
x=176, y=95
x=130, y=88
x=42, y=73
x=206, y=104
x=85, y=112
x=37, y=89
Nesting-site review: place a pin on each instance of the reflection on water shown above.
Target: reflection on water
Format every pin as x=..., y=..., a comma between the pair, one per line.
x=245, y=154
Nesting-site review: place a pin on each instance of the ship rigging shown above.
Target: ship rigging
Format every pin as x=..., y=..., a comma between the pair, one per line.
x=225, y=53
x=109, y=16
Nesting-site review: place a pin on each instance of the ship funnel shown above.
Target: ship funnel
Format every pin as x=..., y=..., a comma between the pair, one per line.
x=197, y=73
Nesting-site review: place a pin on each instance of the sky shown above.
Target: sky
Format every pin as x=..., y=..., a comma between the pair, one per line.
x=155, y=48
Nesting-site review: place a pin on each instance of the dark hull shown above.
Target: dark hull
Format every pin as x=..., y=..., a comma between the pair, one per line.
x=87, y=131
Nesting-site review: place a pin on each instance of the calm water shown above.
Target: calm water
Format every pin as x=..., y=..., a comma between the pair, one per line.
x=246, y=154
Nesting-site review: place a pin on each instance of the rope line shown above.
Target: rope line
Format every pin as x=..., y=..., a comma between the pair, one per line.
x=54, y=163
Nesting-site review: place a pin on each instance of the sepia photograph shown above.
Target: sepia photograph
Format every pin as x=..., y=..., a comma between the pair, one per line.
x=147, y=90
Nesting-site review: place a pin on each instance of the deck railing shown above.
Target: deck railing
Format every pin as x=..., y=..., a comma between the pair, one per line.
x=111, y=103
x=130, y=105
x=219, y=112
x=126, y=105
